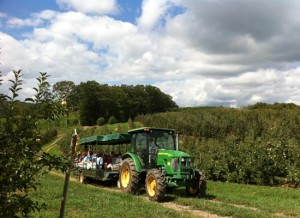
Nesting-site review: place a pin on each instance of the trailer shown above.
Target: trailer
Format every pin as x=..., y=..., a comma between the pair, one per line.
x=90, y=169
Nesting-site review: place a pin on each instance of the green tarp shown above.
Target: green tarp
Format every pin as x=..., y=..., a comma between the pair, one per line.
x=91, y=140
x=111, y=139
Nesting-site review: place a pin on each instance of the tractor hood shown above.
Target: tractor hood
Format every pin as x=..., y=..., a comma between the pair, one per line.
x=171, y=154
x=174, y=162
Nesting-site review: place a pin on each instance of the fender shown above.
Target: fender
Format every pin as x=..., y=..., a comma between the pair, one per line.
x=135, y=159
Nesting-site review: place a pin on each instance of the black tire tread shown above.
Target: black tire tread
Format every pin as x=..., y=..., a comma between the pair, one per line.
x=133, y=184
x=161, y=185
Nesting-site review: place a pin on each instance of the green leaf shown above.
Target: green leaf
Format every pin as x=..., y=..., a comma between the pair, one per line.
x=29, y=100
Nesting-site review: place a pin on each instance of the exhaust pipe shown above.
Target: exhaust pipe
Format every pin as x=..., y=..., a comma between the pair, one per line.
x=177, y=141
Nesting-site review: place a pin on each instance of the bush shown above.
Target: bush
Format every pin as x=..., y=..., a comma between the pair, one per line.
x=101, y=121
x=112, y=120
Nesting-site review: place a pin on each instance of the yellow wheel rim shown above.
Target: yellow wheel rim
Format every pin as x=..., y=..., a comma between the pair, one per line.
x=125, y=177
x=151, y=186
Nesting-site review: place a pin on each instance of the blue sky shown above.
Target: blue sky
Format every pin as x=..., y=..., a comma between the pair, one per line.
x=129, y=11
x=224, y=52
x=23, y=8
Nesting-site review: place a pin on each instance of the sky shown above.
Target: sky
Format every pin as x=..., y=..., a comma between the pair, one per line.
x=230, y=53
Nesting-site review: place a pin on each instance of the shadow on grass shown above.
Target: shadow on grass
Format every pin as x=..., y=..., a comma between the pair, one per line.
x=106, y=184
x=181, y=193
x=173, y=197
x=170, y=197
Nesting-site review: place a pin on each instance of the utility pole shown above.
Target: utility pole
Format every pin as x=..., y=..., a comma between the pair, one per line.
x=68, y=172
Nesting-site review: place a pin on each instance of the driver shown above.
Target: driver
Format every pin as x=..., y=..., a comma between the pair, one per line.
x=153, y=147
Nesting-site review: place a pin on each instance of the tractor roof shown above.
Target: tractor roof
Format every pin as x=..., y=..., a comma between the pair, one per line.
x=147, y=129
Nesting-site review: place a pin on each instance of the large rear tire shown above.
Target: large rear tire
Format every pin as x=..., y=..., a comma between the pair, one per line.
x=128, y=176
x=197, y=186
x=155, y=185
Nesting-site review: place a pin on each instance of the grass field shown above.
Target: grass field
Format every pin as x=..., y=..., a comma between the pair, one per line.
x=238, y=200
x=88, y=201
x=224, y=199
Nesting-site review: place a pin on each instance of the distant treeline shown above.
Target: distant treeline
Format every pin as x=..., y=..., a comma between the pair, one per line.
x=258, y=144
x=100, y=103
x=94, y=101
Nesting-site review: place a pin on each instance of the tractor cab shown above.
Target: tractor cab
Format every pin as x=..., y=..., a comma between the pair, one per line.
x=146, y=143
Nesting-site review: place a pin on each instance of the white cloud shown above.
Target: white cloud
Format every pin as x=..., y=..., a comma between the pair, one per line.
x=201, y=56
x=46, y=14
x=2, y=15
x=260, y=86
x=14, y=22
x=151, y=12
x=90, y=6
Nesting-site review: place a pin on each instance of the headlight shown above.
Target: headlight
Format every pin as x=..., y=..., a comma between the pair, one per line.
x=186, y=162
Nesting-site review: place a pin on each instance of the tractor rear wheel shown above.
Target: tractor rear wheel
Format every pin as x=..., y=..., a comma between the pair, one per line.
x=155, y=185
x=198, y=185
x=128, y=176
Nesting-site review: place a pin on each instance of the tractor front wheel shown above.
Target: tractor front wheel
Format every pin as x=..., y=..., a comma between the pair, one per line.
x=198, y=185
x=128, y=176
x=155, y=185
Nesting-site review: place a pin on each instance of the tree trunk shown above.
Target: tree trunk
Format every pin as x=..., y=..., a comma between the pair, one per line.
x=67, y=178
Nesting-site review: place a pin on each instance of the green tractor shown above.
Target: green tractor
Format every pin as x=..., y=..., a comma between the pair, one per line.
x=154, y=160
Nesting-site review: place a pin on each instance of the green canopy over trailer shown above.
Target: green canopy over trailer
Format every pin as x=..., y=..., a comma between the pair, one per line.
x=111, y=139
x=91, y=140
x=90, y=170
x=115, y=139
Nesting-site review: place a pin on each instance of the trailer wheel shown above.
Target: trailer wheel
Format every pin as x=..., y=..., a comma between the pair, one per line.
x=155, y=185
x=82, y=178
x=198, y=185
x=128, y=176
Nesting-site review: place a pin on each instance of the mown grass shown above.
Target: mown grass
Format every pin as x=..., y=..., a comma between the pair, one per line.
x=238, y=200
x=224, y=199
x=88, y=201
x=52, y=147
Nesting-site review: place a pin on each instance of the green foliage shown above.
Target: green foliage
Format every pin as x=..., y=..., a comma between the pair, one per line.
x=48, y=136
x=259, y=144
x=88, y=101
x=63, y=89
x=101, y=121
x=112, y=120
x=130, y=124
x=22, y=162
x=44, y=104
x=64, y=144
x=94, y=100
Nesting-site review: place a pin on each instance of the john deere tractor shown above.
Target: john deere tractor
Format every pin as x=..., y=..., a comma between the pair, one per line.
x=154, y=161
